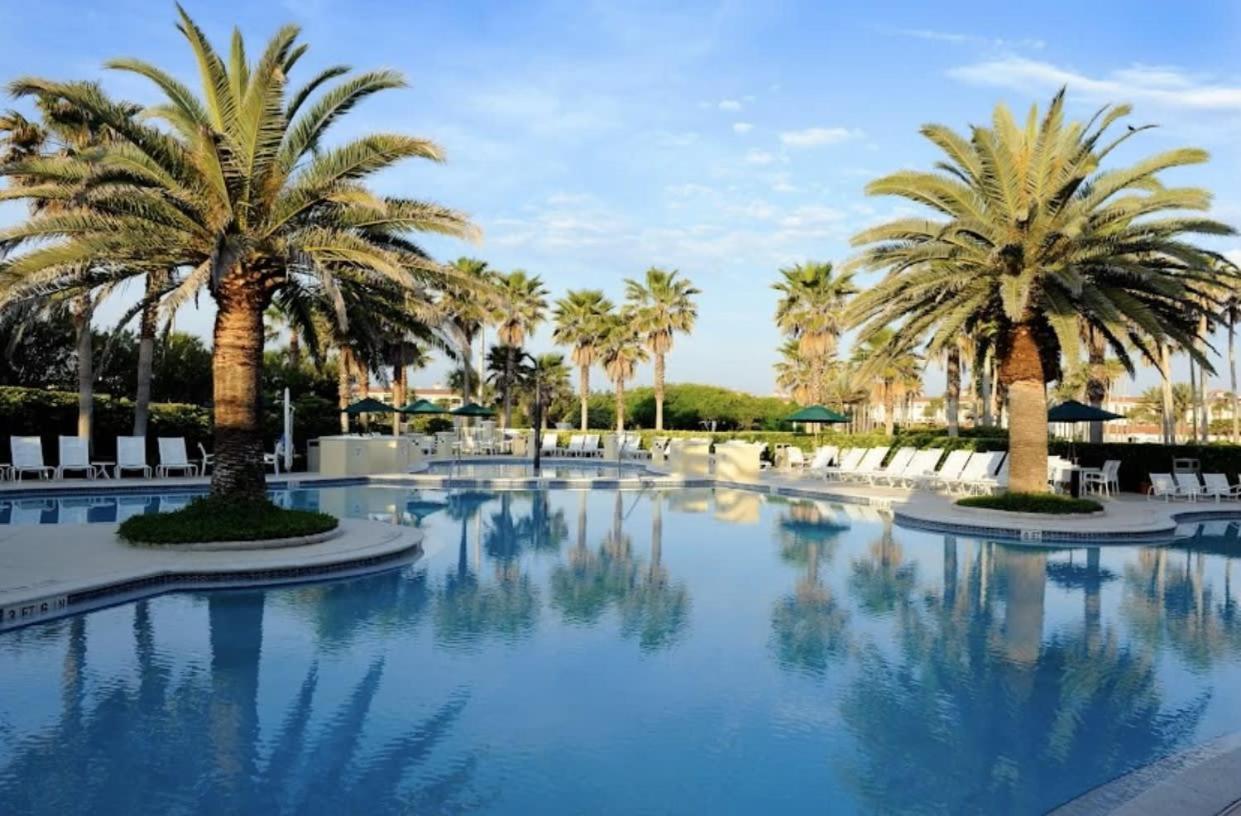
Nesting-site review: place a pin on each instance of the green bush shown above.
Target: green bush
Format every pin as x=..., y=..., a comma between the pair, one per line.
x=1049, y=503
x=210, y=519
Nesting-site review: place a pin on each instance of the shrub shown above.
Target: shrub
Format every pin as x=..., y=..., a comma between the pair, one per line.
x=210, y=519
x=1051, y=504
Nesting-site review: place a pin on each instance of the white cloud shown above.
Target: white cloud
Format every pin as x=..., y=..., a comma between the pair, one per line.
x=729, y=105
x=955, y=38
x=1166, y=86
x=687, y=190
x=759, y=157
x=817, y=136
x=742, y=127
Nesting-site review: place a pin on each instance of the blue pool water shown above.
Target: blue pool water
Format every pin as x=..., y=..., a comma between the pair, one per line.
x=634, y=651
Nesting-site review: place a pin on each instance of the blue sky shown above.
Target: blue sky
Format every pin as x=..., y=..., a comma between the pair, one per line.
x=591, y=140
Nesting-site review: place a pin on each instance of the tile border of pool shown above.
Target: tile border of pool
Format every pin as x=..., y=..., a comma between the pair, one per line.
x=919, y=511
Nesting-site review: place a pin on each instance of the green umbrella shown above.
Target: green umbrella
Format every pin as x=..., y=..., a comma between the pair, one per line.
x=1074, y=411
x=471, y=409
x=368, y=406
x=423, y=406
x=816, y=413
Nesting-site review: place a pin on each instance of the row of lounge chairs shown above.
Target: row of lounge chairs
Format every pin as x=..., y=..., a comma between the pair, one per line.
x=1190, y=487
x=961, y=471
x=587, y=445
x=26, y=459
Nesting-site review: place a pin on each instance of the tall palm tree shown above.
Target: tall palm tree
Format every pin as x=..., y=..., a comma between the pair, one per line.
x=581, y=317
x=522, y=300
x=811, y=309
x=892, y=366
x=469, y=307
x=1032, y=234
x=1232, y=307
x=662, y=305
x=798, y=377
x=242, y=188
x=623, y=348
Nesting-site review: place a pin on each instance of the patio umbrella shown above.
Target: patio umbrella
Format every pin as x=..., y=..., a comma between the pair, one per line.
x=423, y=406
x=1072, y=412
x=370, y=405
x=472, y=409
x=816, y=413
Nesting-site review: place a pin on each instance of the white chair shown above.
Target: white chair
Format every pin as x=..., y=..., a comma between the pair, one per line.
x=1164, y=487
x=951, y=469
x=870, y=463
x=978, y=470
x=172, y=457
x=274, y=459
x=1216, y=485
x=896, y=466
x=922, y=465
x=27, y=453
x=1188, y=485
x=794, y=459
x=590, y=446
x=131, y=454
x=208, y=459
x=822, y=460
x=574, y=447
x=992, y=484
x=1105, y=479
x=850, y=458
x=75, y=456
x=549, y=444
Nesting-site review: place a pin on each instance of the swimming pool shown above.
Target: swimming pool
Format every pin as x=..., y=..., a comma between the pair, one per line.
x=597, y=651
x=555, y=469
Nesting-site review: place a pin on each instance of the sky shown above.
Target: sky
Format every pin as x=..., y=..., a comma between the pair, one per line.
x=592, y=140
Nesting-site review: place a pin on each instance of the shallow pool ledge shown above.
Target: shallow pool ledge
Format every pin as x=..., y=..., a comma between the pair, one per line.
x=49, y=571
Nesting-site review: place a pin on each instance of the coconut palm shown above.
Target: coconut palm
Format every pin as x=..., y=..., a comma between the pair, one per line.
x=662, y=305
x=797, y=376
x=469, y=306
x=811, y=309
x=622, y=348
x=243, y=189
x=580, y=317
x=522, y=300
x=1032, y=235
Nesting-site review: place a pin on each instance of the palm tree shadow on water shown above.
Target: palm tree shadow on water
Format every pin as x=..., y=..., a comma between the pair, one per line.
x=192, y=744
x=977, y=711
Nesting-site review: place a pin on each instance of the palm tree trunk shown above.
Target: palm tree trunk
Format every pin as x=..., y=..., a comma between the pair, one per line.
x=1096, y=388
x=1021, y=370
x=237, y=368
x=583, y=394
x=295, y=350
x=509, y=353
x=1193, y=402
x=398, y=391
x=1232, y=373
x=620, y=406
x=82, y=312
x=986, y=389
x=659, y=391
x=952, y=395
x=147, y=327
x=889, y=410
x=1169, y=407
x=342, y=388
x=466, y=352
x=1204, y=412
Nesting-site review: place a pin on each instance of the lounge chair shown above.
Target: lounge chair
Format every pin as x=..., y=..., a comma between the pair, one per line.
x=980, y=468
x=276, y=458
x=992, y=484
x=953, y=465
x=896, y=466
x=794, y=459
x=574, y=447
x=75, y=456
x=850, y=458
x=27, y=453
x=660, y=443
x=869, y=464
x=208, y=459
x=922, y=465
x=172, y=457
x=131, y=454
x=822, y=460
x=590, y=446
x=1188, y=484
x=1216, y=485
x=1165, y=487
x=548, y=446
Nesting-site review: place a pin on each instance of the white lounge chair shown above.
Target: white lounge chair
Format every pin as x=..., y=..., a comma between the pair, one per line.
x=172, y=457
x=1165, y=487
x=1188, y=484
x=75, y=456
x=850, y=458
x=922, y=465
x=131, y=454
x=27, y=453
x=276, y=458
x=208, y=459
x=992, y=484
x=590, y=446
x=981, y=467
x=949, y=471
x=548, y=446
x=794, y=458
x=1216, y=485
x=870, y=463
x=574, y=447
x=822, y=460
x=896, y=466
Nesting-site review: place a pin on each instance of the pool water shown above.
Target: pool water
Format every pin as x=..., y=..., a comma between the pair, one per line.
x=690, y=651
x=548, y=470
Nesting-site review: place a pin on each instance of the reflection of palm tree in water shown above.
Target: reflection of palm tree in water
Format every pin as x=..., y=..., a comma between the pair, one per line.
x=882, y=582
x=131, y=749
x=653, y=609
x=951, y=723
x=808, y=626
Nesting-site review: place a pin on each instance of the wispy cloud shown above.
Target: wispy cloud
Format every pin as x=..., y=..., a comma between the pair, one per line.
x=760, y=157
x=1166, y=86
x=729, y=105
x=817, y=136
x=955, y=38
x=742, y=127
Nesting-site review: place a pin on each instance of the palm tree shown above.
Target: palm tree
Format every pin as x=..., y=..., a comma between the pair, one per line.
x=797, y=376
x=892, y=366
x=469, y=308
x=242, y=189
x=1032, y=236
x=662, y=305
x=621, y=350
x=580, y=321
x=1232, y=307
x=811, y=309
x=522, y=302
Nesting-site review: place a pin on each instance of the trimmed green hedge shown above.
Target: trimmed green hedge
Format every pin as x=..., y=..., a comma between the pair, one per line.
x=207, y=519
x=1048, y=503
